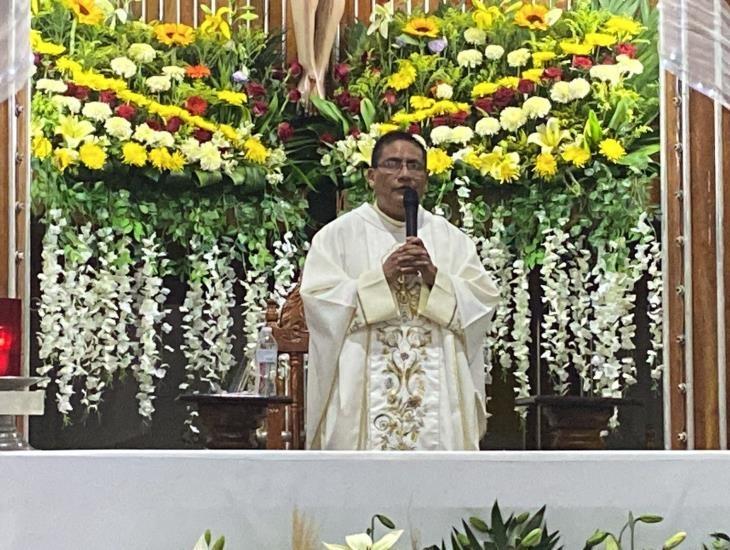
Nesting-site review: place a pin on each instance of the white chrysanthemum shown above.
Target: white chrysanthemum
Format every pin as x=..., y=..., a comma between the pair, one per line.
x=158, y=83
x=123, y=66
x=326, y=160
x=461, y=134
x=475, y=36
x=142, y=53
x=560, y=92
x=493, y=52
x=469, y=58
x=51, y=85
x=629, y=65
x=144, y=133
x=579, y=88
x=518, y=57
x=512, y=118
x=191, y=149
x=440, y=134
x=209, y=157
x=536, y=107
x=174, y=72
x=71, y=103
x=119, y=128
x=487, y=126
x=161, y=139
x=444, y=91
x=606, y=73
x=96, y=110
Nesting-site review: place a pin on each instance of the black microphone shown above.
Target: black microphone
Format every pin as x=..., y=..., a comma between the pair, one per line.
x=410, y=203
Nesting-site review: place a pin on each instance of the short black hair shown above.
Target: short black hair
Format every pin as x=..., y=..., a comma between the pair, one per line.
x=391, y=137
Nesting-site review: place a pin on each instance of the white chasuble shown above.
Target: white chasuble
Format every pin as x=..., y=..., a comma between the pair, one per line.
x=394, y=368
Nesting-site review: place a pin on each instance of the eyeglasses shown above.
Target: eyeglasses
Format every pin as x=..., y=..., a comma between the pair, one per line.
x=394, y=165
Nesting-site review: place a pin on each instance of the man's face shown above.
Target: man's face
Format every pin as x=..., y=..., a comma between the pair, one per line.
x=400, y=166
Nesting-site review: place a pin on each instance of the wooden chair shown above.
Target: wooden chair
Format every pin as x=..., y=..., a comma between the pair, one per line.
x=285, y=423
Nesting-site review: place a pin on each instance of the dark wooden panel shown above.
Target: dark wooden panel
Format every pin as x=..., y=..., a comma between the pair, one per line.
x=290, y=42
x=704, y=278
x=187, y=12
x=152, y=10
x=4, y=186
x=201, y=13
x=673, y=272
x=169, y=11
x=136, y=9
x=726, y=242
x=259, y=9
x=348, y=18
x=364, y=8
x=21, y=185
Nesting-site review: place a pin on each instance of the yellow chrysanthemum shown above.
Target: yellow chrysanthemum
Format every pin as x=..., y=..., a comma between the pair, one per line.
x=507, y=169
x=438, y=161
x=540, y=58
x=136, y=99
x=215, y=24
x=600, y=39
x=546, y=165
x=200, y=122
x=420, y=102
x=448, y=107
x=484, y=88
x=611, y=149
x=172, y=34
x=422, y=26
x=87, y=12
x=92, y=156
x=576, y=155
x=42, y=47
x=228, y=131
x=484, y=17
x=508, y=82
x=64, y=64
x=234, y=98
x=64, y=157
x=134, y=154
x=535, y=75
x=161, y=159
x=401, y=118
x=620, y=25
x=41, y=147
x=575, y=48
x=532, y=16
x=255, y=151
x=405, y=76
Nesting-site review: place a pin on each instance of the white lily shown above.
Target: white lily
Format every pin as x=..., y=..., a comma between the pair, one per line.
x=380, y=18
x=548, y=136
x=361, y=541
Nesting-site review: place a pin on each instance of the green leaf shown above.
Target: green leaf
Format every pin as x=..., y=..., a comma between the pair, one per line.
x=473, y=542
x=592, y=133
x=479, y=524
x=206, y=179
x=219, y=544
x=499, y=533
x=330, y=111
x=619, y=114
x=367, y=112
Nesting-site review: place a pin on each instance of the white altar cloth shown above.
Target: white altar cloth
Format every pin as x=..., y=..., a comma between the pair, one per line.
x=140, y=500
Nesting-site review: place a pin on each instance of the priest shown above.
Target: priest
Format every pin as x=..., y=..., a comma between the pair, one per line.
x=396, y=323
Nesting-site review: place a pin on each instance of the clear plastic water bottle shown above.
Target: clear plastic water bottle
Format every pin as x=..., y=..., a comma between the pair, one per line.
x=266, y=362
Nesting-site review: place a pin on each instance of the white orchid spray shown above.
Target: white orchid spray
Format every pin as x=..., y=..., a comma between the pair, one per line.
x=581, y=309
x=655, y=285
x=287, y=256
x=521, y=335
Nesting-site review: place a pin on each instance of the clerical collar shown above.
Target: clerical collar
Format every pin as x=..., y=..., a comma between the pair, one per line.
x=387, y=218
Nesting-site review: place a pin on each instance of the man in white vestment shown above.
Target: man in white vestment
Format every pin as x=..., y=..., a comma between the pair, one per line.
x=396, y=324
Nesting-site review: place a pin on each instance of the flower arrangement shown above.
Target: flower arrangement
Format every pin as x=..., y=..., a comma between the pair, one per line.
x=539, y=123
x=158, y=150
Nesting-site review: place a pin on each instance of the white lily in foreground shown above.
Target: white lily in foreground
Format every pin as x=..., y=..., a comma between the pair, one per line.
x=362, y=541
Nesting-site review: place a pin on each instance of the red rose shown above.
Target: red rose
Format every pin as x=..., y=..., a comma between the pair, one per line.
x=341, y=71
x=553, y=73
x=625, y=49
x=327, y=138
x=355, y=132
x=108, y=97
x=525, y=86
x=294, y=95
x=254, y=89
x=582, y=62
x=440, y=121
x=285, y=131
x=196, y=105
x=295, y=69
x=173, y=125
x=343, y=99
x=354, y=105
x=389, y=97
x=202, y=136
x=125, y=111
x=503, y=97
x=260, y=108
x=154, y=124
x=79, y=92
x=484, y=104
x=608, y=59
x=414, y=128
x=459, y=117
x=277, y=73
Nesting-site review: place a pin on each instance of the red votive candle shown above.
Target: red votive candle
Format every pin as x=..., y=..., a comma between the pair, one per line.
x=10, y=339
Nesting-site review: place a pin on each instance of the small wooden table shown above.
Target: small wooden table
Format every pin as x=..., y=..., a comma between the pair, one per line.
x=231, y=420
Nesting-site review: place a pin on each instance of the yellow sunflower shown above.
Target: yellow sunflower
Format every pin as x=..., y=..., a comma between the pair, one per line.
x=174, y=33
x=533, y=17
x=422, y=26
x=87, y=12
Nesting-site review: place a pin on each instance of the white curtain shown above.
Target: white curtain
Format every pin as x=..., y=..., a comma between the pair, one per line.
x=16, y=58
x=695, y=44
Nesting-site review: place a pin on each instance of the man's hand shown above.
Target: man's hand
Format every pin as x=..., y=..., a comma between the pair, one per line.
x=410, y=258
